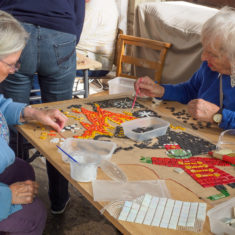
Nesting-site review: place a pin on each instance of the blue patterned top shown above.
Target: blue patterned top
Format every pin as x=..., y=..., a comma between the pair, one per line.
x=4, y=131
x=9, y=115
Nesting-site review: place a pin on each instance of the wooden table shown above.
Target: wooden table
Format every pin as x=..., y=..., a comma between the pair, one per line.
x=84, y=63
x=132, y=171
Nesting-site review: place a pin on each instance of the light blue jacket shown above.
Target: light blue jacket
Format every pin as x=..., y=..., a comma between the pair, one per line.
x=9, y=115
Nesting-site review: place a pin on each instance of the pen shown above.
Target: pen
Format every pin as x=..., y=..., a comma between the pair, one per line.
x=66, y=153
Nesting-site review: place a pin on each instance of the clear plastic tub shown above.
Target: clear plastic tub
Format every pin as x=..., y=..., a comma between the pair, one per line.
x=85, y=169
x=87, y=155
x=145, y=128
x=104, y=149
x=226, y=140
x=121, y=85
x=216, y=214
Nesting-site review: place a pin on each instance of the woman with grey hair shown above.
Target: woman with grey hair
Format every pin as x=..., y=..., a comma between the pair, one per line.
x=21, y=212
x=210, y=93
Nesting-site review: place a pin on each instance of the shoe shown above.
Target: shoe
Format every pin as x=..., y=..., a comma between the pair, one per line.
x=59, y=211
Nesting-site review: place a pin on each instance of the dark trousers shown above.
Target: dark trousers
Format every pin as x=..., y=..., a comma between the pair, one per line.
x=30, y=220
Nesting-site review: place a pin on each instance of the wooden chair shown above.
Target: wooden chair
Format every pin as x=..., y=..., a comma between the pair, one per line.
x=157, y=65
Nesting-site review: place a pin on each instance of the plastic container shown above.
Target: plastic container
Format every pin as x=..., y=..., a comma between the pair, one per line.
x=85, y=169
x=121, y=85
x=226, y=140
x=156, y=126
x=88, y=154
x=104, y=149
x=223, y=210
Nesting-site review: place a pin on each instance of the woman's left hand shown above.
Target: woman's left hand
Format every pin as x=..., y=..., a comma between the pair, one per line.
x=202, y=109
x=50, y=117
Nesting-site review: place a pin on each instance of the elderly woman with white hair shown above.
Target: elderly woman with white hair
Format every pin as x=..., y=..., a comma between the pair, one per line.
x=21, y=212
x=210, y=93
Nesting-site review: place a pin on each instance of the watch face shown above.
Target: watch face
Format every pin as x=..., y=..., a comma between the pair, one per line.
x=217, y=117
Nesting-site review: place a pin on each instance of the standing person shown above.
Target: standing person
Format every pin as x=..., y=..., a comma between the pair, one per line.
x=21, y=212
x=99, y=35
x=54, y=27
x=210, y=93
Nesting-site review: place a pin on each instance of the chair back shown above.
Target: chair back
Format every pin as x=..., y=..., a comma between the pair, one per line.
x=123, y=58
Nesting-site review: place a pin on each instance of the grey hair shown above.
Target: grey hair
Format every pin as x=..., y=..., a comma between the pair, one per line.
x=13, y=36
x=221, y=26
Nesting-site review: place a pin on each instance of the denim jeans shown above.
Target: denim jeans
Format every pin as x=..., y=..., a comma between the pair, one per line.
x=51, y=54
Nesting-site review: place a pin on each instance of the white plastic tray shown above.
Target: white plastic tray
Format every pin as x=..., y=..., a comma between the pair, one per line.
x=223, y=210
x=158, y=125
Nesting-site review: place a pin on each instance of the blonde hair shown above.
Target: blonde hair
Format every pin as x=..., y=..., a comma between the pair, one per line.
x=13, y=36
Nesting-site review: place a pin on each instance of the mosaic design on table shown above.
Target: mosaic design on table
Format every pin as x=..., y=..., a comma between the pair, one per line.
x=196, y=145
x=145, y=113
x=103, y=123
x=202, y=170
x=185, y=117
x=122, y=103
x=175, y=151
x=99, y=122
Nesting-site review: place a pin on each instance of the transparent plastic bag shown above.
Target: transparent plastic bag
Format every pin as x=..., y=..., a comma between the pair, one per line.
x=113, y=171
x=104, y=190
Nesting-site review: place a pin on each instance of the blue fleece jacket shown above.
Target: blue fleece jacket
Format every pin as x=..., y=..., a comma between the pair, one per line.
x=61, y=15
x=9, y=114
x=204, y=84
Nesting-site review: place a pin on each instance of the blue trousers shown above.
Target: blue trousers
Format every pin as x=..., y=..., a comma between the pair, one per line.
x=31, y=219
x=51, y=54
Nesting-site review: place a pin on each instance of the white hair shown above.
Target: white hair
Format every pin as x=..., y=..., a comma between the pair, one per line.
x=13, y=36
x=221, y=27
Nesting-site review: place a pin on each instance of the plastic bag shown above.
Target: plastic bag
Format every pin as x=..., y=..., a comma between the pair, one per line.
x=104, y=190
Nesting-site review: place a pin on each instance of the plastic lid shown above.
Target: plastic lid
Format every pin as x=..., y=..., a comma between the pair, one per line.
x=113, y=171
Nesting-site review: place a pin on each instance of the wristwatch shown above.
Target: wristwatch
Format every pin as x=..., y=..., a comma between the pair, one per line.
x=217, y=118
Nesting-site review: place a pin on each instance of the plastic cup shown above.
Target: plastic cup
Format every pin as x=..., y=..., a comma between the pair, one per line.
x=85, y=169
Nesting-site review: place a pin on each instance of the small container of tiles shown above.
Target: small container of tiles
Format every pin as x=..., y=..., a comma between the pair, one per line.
x=221, y=218
x=142, y=129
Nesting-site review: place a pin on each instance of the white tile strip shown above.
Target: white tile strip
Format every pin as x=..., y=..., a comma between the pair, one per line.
x=159, y=212
x=144, y=207
x=167, y=213
x=175, y=215
x=150, y=213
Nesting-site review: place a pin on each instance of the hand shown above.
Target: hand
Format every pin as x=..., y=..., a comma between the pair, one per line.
x=145, y=86
x=23, y=192
x=202, y=109
x=49, y=117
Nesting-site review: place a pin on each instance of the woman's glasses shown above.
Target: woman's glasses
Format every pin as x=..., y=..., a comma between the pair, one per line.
x=14, y=67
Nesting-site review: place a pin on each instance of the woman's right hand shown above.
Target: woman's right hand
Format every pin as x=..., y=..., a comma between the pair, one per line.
x=145, y=86
x=23, y=192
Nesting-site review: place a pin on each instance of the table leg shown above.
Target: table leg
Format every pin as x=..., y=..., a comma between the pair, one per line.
x=86, y=83
x=19, y=145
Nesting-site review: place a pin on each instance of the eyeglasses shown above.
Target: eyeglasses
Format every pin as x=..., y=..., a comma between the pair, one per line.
x=14, y=67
